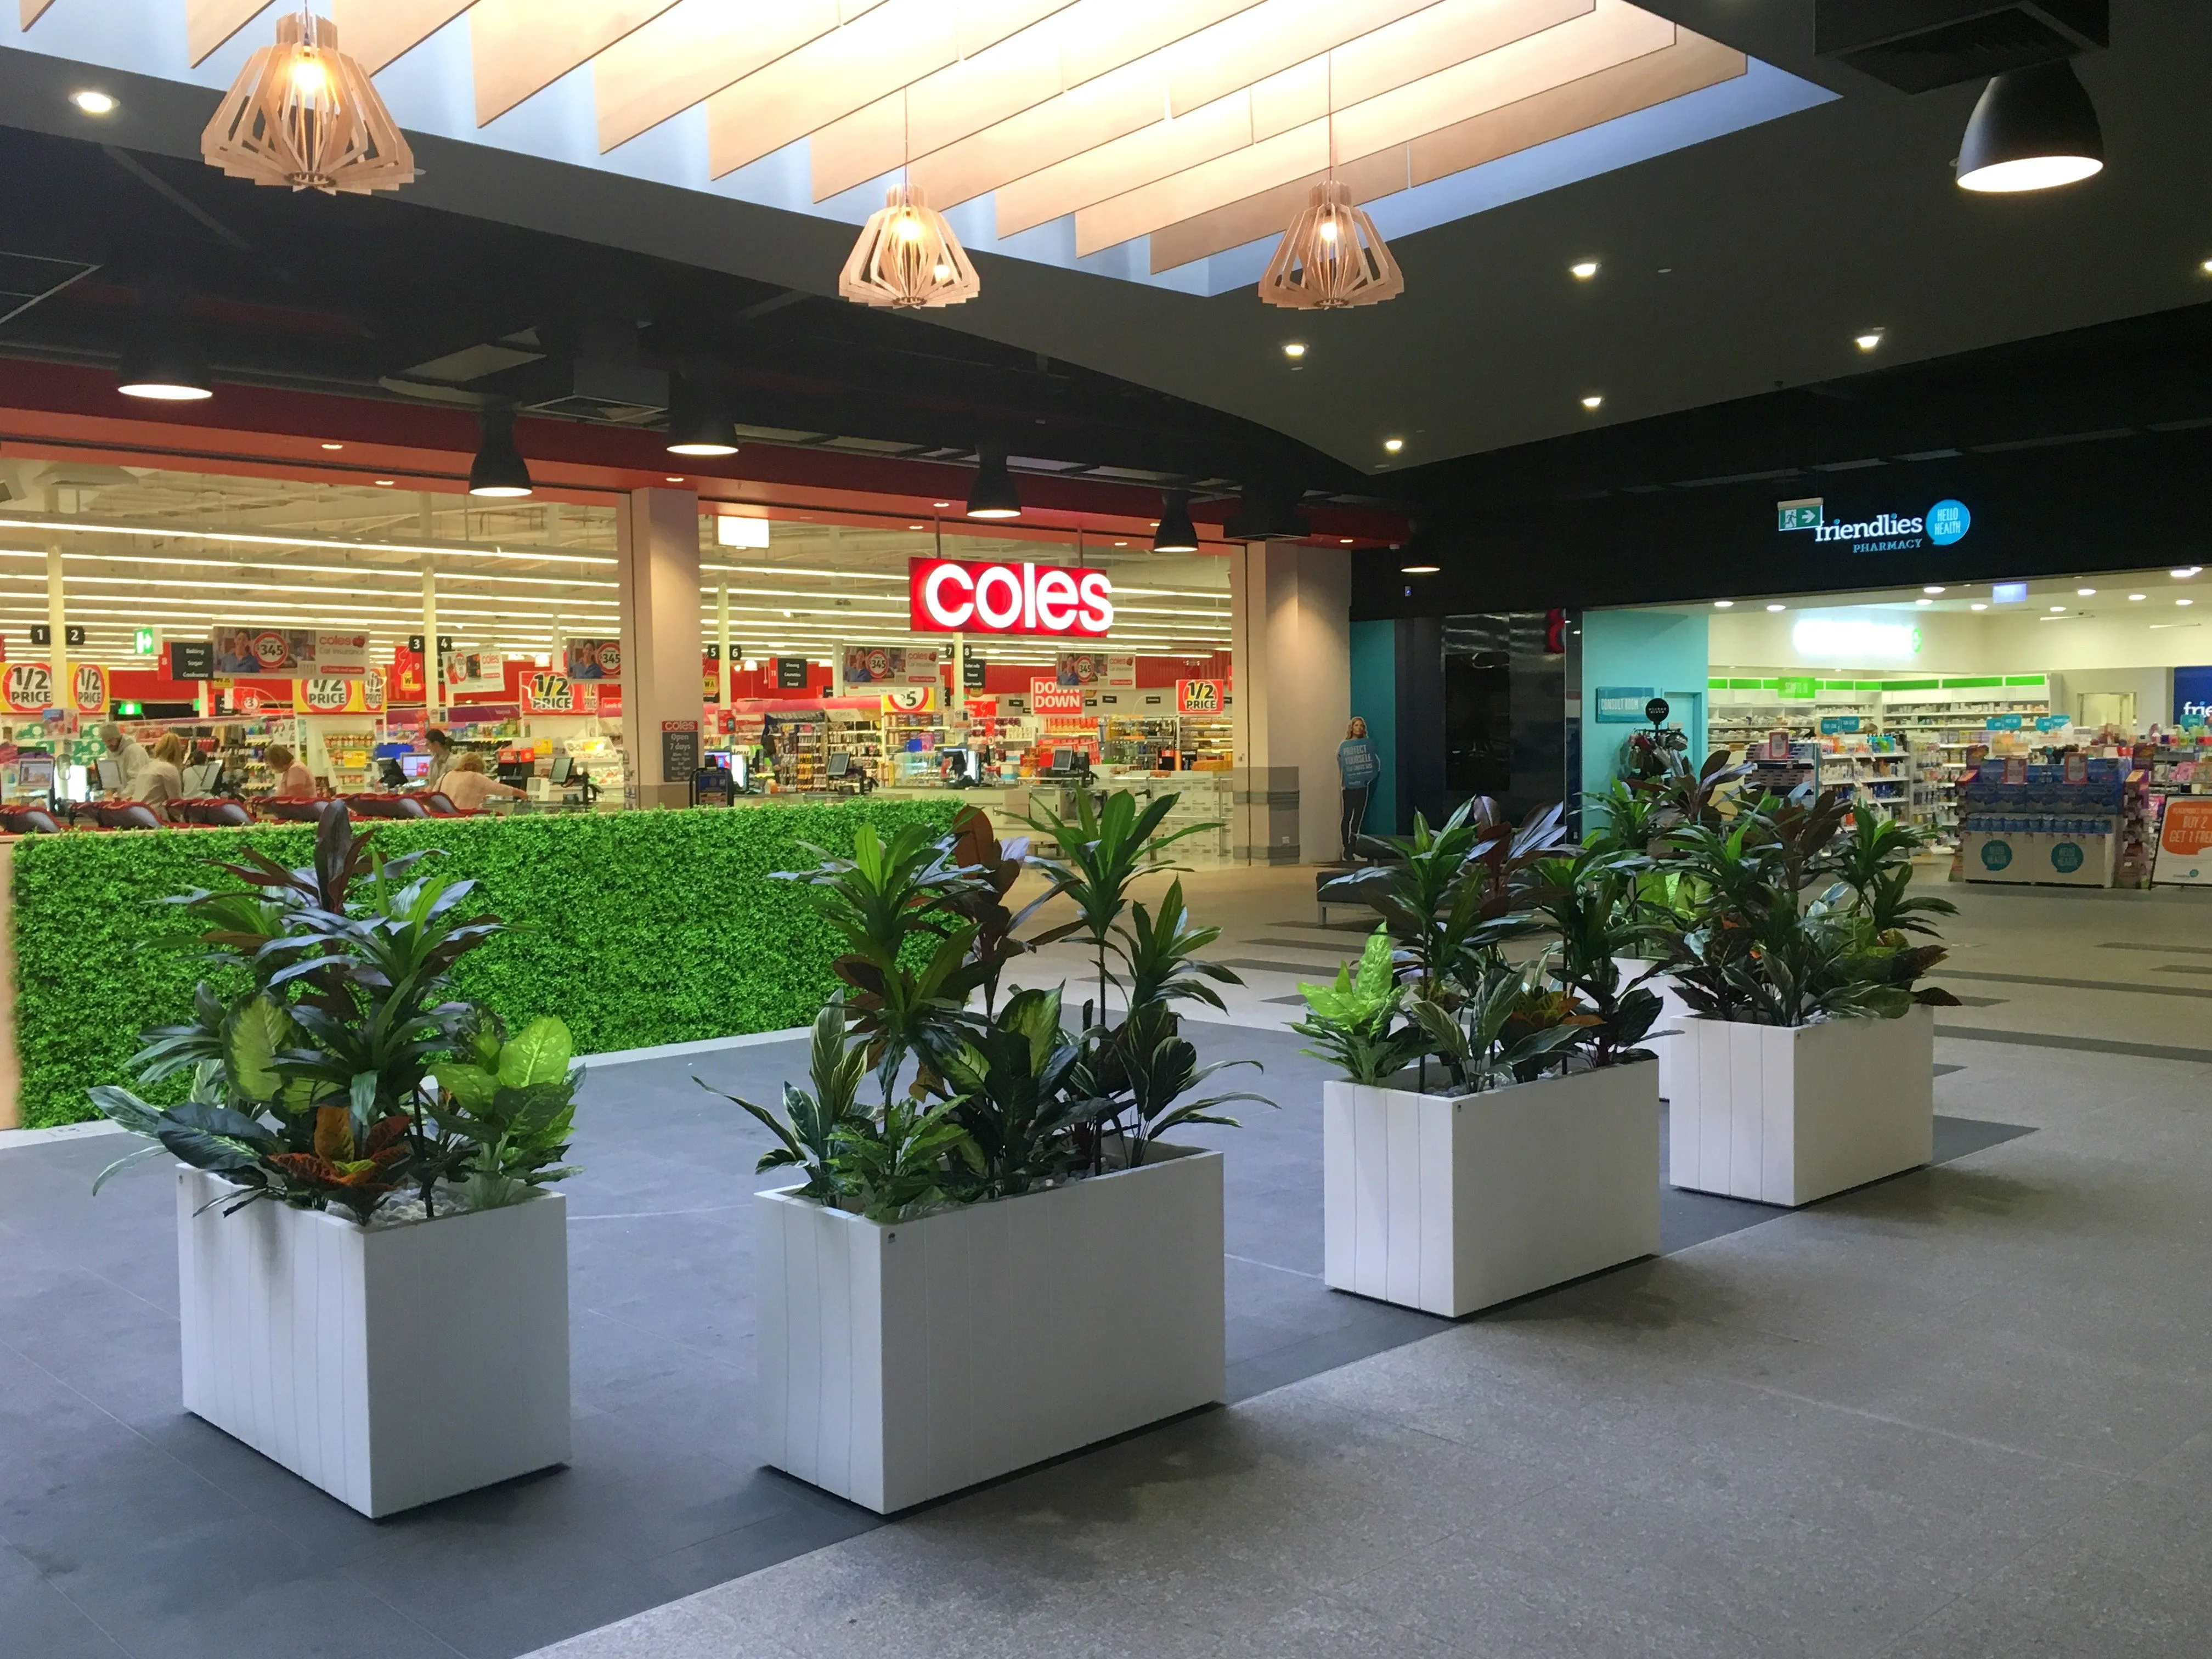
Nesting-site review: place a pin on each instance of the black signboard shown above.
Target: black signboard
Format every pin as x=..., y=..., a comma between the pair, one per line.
x=679, y=748
x=444, y=644
x=192, y=659
x=971, y=672
x=791, y=673
x=42, y=634
x=1657, y=710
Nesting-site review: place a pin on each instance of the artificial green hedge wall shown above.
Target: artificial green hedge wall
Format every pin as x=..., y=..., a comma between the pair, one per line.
x=643, y=927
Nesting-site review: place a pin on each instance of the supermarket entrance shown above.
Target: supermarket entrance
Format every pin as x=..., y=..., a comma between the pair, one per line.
x=2046, y=732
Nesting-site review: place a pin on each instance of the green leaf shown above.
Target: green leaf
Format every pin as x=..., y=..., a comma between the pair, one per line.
x=471, y=1086
x=255, y=1035
x=539, y=1053
x=128, y=1161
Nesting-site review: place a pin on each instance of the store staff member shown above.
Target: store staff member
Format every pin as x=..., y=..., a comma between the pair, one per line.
x=469, y=787
x=126, y=753
x=441, y=757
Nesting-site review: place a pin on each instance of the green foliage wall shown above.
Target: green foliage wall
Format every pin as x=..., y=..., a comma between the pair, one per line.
x=637, y=928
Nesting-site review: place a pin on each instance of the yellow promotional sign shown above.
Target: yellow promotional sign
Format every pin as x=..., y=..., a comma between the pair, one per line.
x=332, y=695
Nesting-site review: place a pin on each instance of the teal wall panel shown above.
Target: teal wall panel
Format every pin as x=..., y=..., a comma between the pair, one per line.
x=1375, y=698
x=1667, y=650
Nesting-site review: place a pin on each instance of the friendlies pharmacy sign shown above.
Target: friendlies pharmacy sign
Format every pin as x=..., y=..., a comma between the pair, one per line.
x=1941, y=525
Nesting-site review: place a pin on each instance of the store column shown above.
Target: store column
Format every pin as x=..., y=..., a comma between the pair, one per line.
x=1290, y=631
x=657, y=549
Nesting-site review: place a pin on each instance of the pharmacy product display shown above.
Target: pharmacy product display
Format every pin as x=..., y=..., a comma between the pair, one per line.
x=2059, y=824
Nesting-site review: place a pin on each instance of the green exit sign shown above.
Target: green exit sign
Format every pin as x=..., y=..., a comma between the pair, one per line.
x=144, y=641
x=131, y=711
x=1799, y=514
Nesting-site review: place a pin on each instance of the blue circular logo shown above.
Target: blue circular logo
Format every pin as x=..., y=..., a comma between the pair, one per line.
x=1947, y=522
x=2066, y=858
x=1996, y=854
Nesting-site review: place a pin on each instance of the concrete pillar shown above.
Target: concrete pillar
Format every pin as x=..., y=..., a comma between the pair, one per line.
x=1291, y=630
x=657, y=551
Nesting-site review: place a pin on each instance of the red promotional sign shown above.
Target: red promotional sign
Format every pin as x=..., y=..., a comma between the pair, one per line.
x=1200, y=697
x=959, y=596
x=1048, y=696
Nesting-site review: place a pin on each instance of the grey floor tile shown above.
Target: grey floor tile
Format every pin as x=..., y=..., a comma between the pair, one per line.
x=37, y=1621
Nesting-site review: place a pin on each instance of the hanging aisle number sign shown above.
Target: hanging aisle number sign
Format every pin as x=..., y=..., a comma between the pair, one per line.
x=956, y=595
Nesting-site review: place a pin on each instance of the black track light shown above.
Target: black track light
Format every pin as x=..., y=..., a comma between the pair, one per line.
x=164, y=362
x=993, y=494
x=699, y=421
x=499, y=470
x=1176, y=534
x=2035, y=129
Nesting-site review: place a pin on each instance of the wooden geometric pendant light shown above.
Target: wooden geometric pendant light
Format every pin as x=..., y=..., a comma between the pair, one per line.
x=303, y=113
x=907, y=256
x=1331, y=256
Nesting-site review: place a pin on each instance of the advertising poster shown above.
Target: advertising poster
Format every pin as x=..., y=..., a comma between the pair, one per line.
x=339, y=656
x=594, y=660
x=1096, y=669
x=240, y=652
x=475, y=670
x=2185, y=843
x=89, y=688
x=888, y=664
x=1049, y=697
x=27, y=687
x=911, y=699
x=1201, y=696
x=407, y=674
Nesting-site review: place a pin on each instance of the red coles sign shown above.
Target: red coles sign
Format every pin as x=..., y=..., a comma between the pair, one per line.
x=952, y=596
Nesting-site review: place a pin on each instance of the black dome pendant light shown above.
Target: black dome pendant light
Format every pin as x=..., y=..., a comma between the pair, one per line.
x=499, y=470
x=1175, y=534
x=2035, y=129
x=993, y=494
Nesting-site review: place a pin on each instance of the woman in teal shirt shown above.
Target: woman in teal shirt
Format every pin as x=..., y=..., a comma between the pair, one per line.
x=1358, y=765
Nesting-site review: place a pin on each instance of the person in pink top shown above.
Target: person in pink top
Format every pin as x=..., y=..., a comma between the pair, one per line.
x=468, y=786
x=293, y=782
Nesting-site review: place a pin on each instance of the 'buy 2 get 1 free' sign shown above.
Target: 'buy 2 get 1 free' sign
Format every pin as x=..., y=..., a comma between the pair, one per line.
x=959, y=596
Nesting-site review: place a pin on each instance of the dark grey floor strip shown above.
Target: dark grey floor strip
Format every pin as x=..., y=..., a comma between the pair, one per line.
x=1305, y=969
x=1293, y=1002
x=1295, y=944
x=2162, y=949
x=2184, y=968
x=1330, y=926
x=2082, y=1045
x=2124, y=986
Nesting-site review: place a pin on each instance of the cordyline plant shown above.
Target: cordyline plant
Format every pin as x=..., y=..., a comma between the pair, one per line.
x=344, y=1071
x=1758, y=946
x=1000, y=1098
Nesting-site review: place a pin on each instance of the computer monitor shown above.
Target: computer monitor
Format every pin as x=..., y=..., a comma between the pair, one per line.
x=840, y=765
x=414, y=768
x=564, y=769
x=1063, y=759
x=202, y=780
x=111, y=772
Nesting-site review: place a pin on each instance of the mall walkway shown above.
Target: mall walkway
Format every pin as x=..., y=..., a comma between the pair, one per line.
x=1961, y=1413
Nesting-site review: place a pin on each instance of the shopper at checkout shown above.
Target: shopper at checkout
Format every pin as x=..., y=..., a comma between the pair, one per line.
x=469, y=787
x=443, y=754
x=162, y=779
x=293, y=781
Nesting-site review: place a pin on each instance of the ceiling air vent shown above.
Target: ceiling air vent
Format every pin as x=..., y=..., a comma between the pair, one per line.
x=1916, y=45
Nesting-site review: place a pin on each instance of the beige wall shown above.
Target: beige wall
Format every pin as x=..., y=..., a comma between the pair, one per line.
x=1291, y=610
x=657, y=545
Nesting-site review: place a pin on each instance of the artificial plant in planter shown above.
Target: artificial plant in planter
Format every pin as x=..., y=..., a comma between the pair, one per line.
x=1809, y=1064
x=1495, y=1133
x=373, y=1273
x=995, y=1255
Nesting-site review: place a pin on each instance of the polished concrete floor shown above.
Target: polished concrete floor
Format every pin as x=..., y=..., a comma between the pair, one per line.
x=1962, y=1412
x=1957, y=1412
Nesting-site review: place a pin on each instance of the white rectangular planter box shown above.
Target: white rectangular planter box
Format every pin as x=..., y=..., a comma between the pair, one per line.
x=1786, y=1114
x=902, y=1361
x=389, y=1367
x=1672, y=1010
x=1448, y=1205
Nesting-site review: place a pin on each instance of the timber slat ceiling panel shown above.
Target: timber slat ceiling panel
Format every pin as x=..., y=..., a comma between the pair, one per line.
x=380, y=31
x=209, y=23
x=694, y=49
x=1612, y=32
x=32, y=11
x=523, y=46
x=1691, y=64
x=1366, y=62
x=1199, y=123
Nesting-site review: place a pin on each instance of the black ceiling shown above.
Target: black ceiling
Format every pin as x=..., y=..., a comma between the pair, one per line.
x=355, y=294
